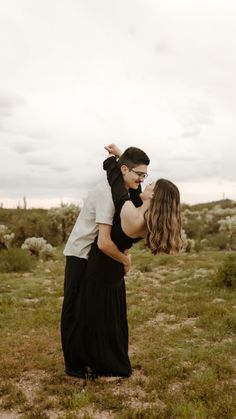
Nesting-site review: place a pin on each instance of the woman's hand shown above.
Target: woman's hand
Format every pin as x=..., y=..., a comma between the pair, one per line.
x=113, y=149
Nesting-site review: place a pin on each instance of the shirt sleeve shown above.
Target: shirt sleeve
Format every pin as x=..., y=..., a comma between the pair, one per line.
x=104, y=207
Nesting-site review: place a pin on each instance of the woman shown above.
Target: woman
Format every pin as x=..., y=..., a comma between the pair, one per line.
x=158, y=219
x=99, y=342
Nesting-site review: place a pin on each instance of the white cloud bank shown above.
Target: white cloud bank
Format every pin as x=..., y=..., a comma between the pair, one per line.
x=76, y=75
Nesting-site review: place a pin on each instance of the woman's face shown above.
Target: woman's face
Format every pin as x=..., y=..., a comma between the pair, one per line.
x=148, y=192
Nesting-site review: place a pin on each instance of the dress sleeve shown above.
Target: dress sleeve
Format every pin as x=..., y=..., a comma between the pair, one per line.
x=135, y=196
x=119, y=192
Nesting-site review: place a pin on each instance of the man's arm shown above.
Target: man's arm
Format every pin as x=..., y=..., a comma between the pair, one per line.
x=104, y=208
x=107, y=246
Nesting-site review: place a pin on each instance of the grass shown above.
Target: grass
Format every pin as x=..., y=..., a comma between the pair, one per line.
x=182, y=344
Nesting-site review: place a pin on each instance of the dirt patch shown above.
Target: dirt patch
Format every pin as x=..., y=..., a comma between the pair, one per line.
x=188, y=322
x=47, y=282
x=136, y=397
x=201, y=272
x=30, y=382
x=132, y=350
x=30, y=300
x=138, y=377
x=135, y=402
x=218, y=300
x=89, y=411
x=161, y=317
x=175, y=387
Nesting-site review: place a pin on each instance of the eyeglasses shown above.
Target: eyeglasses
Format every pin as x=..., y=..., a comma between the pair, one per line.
x=141, y=175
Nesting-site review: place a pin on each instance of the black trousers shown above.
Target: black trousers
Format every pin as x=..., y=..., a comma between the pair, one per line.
x=74, y=271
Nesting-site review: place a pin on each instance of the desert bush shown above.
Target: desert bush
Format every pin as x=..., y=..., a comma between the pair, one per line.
x=198, y=245
x=194, y=228
x=188, y=244
x=200, y=222
x=211, y=225
x=6, y=237
x=228, y=226
x=226, y=273
x=64, y=218
x=15, y=260
x=219, y=241
x=31, y=223
x=204, y=243
x=47, y=251
x=38, y=246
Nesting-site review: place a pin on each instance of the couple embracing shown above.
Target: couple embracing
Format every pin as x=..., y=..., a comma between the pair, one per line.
x=116, y=214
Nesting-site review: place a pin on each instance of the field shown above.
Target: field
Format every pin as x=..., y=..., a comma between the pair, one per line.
x=182, y=344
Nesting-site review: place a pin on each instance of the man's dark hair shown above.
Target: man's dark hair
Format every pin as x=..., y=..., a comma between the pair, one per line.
x=132, y=157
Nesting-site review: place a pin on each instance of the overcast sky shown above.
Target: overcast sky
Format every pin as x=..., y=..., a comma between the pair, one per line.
x=76, y=75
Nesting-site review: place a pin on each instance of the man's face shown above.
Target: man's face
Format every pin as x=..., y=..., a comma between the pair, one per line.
x=133, y=177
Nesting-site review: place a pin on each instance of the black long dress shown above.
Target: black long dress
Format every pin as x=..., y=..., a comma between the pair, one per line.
x=99, y=341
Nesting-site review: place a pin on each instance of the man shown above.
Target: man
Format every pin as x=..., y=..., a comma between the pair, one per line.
x=95, y=220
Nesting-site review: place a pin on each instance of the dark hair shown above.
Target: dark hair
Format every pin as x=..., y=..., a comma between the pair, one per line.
x=132, y=157
x=163, y=219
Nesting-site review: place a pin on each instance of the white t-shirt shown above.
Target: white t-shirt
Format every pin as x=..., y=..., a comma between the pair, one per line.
x=98, y=209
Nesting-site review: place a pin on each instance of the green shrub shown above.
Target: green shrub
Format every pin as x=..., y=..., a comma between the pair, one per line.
x=198, y=247
x=194, y=228
x=219, y=241
x=226, y=274
x=15, y=260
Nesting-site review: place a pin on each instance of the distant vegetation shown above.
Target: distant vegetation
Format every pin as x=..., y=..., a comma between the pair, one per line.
x=212, y=224
x=209, y=226
x=54, y=225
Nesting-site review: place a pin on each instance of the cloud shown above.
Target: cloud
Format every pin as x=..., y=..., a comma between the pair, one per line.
x=162, y=47
x=189, y=158
x=156, y=75
x=41, y=181
x=191, y=132
x=8, y=104
x=132, y=30
x=60, y=168
x=194, y=116
x=24, y=146
x=39, y=159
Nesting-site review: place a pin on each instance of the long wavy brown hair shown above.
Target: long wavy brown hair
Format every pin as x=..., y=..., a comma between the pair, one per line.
x=163, y=219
